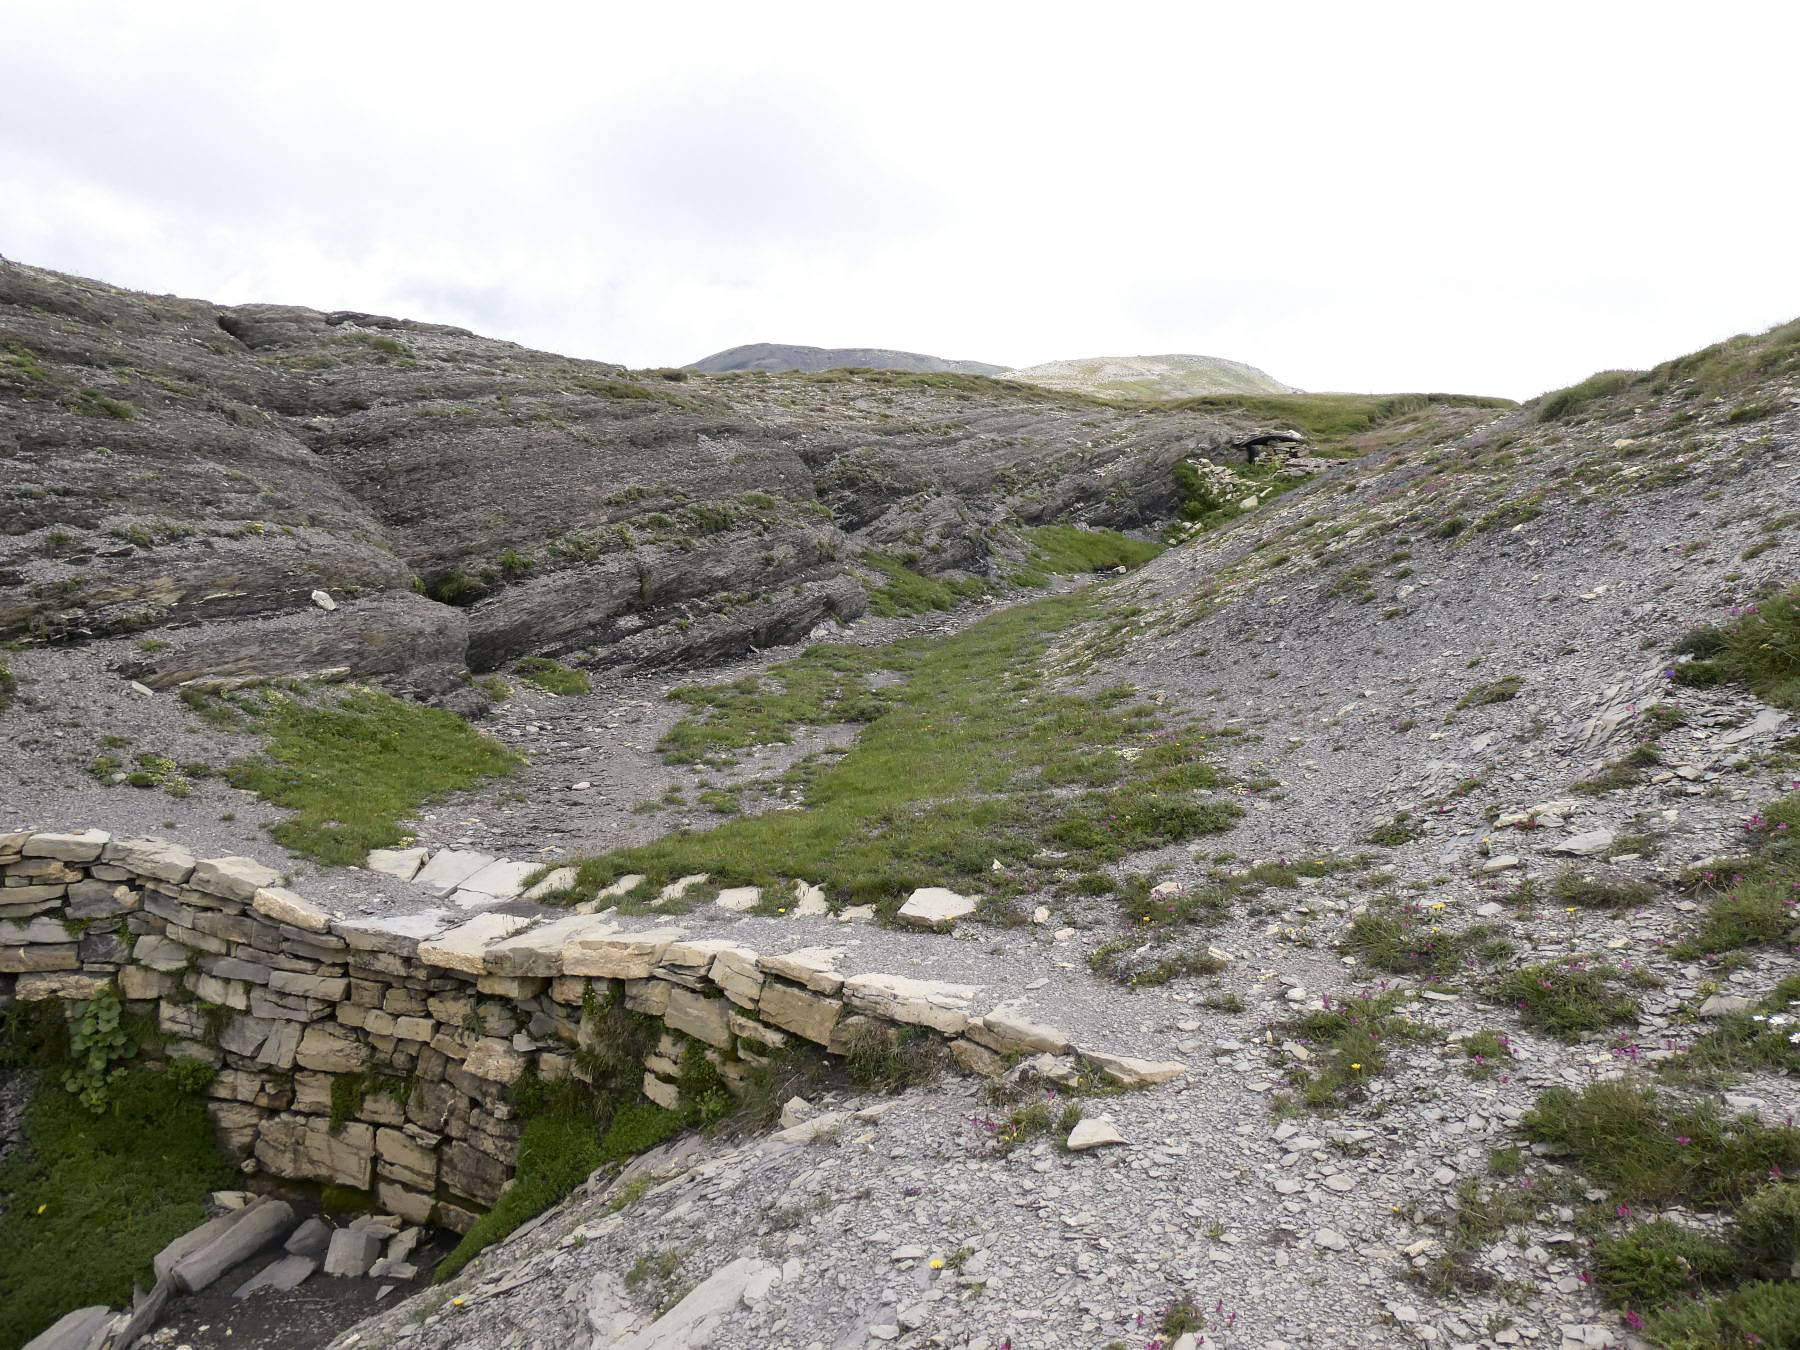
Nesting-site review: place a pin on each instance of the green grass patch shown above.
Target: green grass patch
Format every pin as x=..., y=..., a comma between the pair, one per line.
x=972, y=759
x=1758, y=648
x=905, y=591
x=1564, y=405
x=1574, y=887
x=1650, y=1147
x=827, y=685
x=353, y=768
x=1682, y=1285
x=1756, y=898
x=1351, y=1045
x=9, y=687
x=1756, y=1040
x=1621, y=773
x=552, y=676
x=1568, y=998
x=1326, y=418
x=1071, y=550
x=1410, y=939
x=89, y=1199
x=1503, y=690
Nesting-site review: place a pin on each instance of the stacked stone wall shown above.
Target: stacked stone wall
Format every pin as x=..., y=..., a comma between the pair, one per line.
x=382, y=1054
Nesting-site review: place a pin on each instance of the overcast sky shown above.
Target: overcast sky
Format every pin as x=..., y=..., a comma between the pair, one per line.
x=1492, y=198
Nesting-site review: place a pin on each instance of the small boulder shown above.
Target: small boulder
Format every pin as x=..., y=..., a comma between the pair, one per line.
x=352, y=1252
x=930, y=906
x=324, y=601
x=1089, y=1134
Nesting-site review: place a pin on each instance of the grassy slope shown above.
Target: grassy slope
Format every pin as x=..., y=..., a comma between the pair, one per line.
x=957, y=770
x=353, y=769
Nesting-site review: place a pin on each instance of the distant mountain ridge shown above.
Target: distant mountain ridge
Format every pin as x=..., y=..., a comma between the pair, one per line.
x=785, y=356
x=1152, y=377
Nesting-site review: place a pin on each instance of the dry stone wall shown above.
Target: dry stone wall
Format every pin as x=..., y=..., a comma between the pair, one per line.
x=417, y=1028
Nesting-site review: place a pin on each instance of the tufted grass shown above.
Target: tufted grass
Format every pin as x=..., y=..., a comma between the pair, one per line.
x=114, y=1189
x=1759, y=648
x=905, y=591
x=1350, y=1044
x=552, y=676
x=352, y=769
x=1755, y=898
x=1568, y=998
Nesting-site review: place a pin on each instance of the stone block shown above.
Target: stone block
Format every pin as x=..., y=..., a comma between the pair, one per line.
x=503, y=879
x=394, y=935
x=932, y=906
x=258, y=1225
x=619, y=956
x=331, y=989
x=812, y=967
x=157, y=859
x=406, y=1203
x=397, y=862
x=665, y=1095
x=303, y=1148
x=805, y=1014
x=18, y=960
x=75, y=846
x=648, y=996
x=705, y=1019
x=232, y=878
x=449, y=868
x=136, y=983
x=494, y=1060
x=468, y=1172
x=284, y=907
x=35, y=930
x=351, y=1253
x=538, y=951
x=1005, y=1031
x=280, y=1275
x=100, y=900
x=63, y=984
x=896, y=998
x=404, y=1158
x=464, y=948
x=330, y=1048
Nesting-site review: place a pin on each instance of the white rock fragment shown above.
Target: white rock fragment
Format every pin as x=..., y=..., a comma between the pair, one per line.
x=932, y=905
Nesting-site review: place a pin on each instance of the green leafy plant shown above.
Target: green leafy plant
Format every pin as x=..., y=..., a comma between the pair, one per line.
x=97, y=1041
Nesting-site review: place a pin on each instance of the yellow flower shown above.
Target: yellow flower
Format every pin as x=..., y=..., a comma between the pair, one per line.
x=456, y=1303
x=41, y=1208
x=1569, y=910
x=937, y=1263
x=1356, y=1066
x=782, y=910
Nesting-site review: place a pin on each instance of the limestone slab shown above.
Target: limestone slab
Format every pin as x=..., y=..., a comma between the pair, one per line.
x=157, y=859
x=618, y=956
x=232, y=878
x=74, y=846
x=465, y=947
x=397, y=862
x=504, y=878
x=280, y=905
x=930, y=906
x=449, y=868
x=538, y=950
x=814, y=967
x=898, y=998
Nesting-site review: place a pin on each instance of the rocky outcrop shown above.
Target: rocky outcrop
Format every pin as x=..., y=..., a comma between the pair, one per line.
x=202, y=470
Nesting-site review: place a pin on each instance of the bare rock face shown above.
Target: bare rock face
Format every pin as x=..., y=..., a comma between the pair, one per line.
x=205, y=472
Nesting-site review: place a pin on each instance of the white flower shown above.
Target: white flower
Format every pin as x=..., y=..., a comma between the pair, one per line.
x=1795, y=1038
